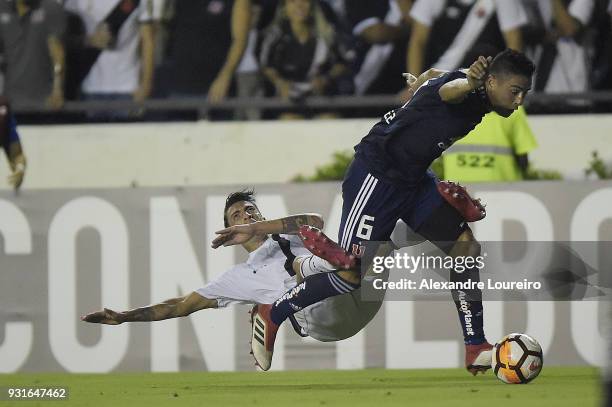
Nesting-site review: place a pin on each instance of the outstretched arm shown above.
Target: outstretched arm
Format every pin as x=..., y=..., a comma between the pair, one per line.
x=456, y=91
x=239, y=234
x=172, y=308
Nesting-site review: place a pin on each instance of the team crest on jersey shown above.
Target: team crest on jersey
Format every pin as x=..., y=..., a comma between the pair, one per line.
x=357, y=250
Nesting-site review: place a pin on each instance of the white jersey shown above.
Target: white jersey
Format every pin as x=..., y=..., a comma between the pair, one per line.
x=262, y=279
x=570, y=68
x=117, y=70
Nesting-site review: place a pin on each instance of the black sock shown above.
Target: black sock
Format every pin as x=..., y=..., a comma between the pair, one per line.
x=469, y=307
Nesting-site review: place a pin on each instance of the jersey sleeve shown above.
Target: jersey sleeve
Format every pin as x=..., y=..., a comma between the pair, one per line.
x=433, y=85
x=522, y=136
x=228, y=288
x=447, y=77
x=510, y=15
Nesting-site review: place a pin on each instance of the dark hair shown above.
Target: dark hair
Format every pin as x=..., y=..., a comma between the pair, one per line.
x=512, y=62
x=247, y=195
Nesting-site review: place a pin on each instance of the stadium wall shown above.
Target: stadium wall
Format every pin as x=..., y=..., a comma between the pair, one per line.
x=204, y=153
x=65, y=252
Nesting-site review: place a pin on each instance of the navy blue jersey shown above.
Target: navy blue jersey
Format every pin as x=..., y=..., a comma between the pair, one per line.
x=401, y=147
x=8, y=126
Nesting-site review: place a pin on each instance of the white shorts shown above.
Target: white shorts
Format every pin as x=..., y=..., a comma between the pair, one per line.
x=335, y=318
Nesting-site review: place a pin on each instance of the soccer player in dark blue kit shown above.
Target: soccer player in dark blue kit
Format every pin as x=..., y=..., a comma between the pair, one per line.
x=389, y=180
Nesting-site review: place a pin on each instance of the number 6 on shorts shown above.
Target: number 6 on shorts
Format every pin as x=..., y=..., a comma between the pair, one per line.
x=364, y=230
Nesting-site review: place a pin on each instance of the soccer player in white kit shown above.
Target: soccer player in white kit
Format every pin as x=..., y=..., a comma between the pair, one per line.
x=277, y=260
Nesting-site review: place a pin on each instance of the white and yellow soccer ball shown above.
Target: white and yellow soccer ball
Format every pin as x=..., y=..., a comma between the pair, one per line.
x=517, y=359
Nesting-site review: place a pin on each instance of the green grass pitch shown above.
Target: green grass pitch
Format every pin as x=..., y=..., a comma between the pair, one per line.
x=556, y=386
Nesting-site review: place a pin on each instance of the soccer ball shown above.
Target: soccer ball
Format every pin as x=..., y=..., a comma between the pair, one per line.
x=517, y=359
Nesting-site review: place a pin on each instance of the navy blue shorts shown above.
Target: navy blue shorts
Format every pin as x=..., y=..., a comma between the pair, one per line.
x=372, y=207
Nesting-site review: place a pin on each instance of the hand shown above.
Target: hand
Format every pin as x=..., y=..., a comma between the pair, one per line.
x=106, y=316
x=56, y=99
x=101, y=38
x=319, y=83
x=234, y=235
x=18, y=166
x=406, y=94
x=478, y=72
x=219, y=88
x=283, y=88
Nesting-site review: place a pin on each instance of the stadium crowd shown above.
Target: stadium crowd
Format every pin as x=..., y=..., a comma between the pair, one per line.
x=53, y=51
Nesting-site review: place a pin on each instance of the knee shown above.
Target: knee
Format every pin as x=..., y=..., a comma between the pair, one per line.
x=297, y=269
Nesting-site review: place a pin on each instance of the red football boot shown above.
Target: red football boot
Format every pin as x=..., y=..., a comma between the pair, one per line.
x=478, y=357
x=456, y=195
x=325, y=248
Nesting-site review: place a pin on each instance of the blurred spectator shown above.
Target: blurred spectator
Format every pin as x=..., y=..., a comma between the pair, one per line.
x=207, y=41
x=248, y=77
x=118, y=47
x=240, y=24
x=382, y=28
x=560, y=50
x=31, y=34
x=443, y=32
x=601, y=70
x=9, y=139
x=338, y=7
x=496, y=150
x=300, y=54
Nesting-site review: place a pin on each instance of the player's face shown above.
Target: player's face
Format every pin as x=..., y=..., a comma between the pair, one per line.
x=507, y=92
x=242, y=213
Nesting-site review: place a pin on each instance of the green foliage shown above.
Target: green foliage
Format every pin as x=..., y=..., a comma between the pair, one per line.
x=334, y=171
x=598, y=167
x=535, y=174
